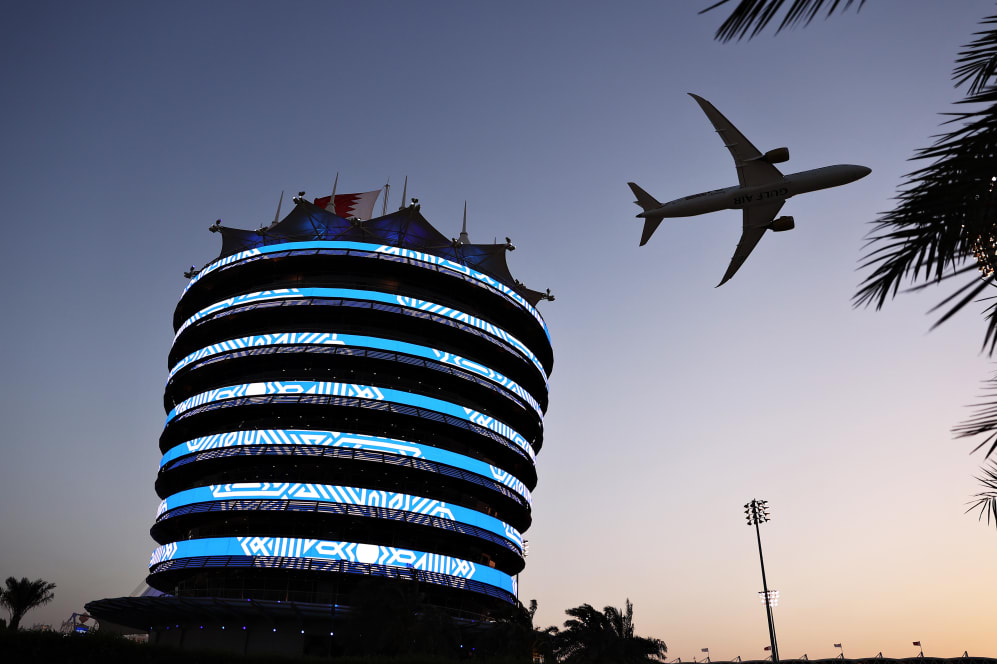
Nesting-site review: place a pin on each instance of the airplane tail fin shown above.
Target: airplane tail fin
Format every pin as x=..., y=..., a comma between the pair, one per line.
x=644, y=199
x=647, y=202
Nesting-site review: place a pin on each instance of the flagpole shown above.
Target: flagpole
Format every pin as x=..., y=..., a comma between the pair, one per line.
x=334, y=183
x=404, y=193
x=384, y=206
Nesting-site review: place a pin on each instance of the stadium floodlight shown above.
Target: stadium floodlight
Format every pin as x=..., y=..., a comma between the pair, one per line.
x=756, y=512
x=773, y=597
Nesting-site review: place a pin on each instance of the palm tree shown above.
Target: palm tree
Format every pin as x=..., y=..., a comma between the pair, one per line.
x=594, y=637
x=541, y=641
x=19, y=597
x=944, y=225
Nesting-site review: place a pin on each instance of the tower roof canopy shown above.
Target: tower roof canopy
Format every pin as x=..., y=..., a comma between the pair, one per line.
x=405, y=228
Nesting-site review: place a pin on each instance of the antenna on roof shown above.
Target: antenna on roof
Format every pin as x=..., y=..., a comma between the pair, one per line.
x=276, y=217
x=404, y=194
x=463, y=239
x=384, y=207
x=334, y=183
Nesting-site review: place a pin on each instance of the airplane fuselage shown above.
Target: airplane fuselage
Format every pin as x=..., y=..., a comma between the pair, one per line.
x=737, y=197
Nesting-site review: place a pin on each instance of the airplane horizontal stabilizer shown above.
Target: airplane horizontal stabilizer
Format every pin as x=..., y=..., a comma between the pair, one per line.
x=650, y=225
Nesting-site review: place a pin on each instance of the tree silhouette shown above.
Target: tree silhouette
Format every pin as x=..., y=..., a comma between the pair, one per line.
x=593, y=637
x=944, y=225
x=19, y=597
x=986, y=500
x=541, y=640
x=754, y=15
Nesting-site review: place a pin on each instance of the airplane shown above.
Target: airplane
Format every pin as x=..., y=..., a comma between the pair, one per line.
x=760, y=194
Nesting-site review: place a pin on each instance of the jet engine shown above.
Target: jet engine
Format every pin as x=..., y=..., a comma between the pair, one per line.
x=777, y=156
x=783, y=224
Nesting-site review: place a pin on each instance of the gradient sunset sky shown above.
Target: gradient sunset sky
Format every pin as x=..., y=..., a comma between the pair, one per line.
x=128, y=128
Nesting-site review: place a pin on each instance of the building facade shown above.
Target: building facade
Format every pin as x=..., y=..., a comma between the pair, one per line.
x=346, y=400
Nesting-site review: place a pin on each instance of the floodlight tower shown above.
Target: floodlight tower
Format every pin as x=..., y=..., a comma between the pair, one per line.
x=757, y=512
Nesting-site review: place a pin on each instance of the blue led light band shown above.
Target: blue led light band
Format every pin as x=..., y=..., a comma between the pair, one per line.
x=319, y=566
x=323, y=401
x=292, y=547
x=368, y=296
x=345, y=495
x=351, y=441
x=340, y=455
x=308, y=387
x=360, y=341
x=410, y=254
x=285, y=508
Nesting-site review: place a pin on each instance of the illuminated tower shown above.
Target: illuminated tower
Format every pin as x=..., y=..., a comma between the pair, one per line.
x=346, y=399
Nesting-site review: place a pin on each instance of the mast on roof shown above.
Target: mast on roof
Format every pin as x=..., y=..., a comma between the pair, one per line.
x=464, y=239
x=404, y=194
x=384, y=206
x=334, y=183
x=276, y=217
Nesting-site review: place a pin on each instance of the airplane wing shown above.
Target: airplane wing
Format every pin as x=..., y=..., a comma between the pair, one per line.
x=755, y=223
x=751, y=168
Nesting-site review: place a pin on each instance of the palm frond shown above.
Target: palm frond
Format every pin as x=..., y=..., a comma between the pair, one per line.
x=974, y=289
x=983, y=422
x=986, y=501
x=945, y=220
x=752, y=16
x=977, y=62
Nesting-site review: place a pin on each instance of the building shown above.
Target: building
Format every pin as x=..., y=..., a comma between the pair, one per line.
x=346, y=399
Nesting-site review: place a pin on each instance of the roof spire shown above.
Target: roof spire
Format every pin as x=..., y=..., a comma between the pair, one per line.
x=404, y=194
x=463, y=239
x=276, y=217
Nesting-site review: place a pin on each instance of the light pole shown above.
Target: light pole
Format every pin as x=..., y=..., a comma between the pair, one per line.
x=526, y=552
x=756, y=512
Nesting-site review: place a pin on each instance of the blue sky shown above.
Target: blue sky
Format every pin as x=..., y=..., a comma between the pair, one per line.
x=129, y=128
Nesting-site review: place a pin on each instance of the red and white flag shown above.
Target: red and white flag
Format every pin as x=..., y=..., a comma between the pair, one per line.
x=359, y=205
